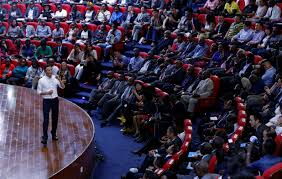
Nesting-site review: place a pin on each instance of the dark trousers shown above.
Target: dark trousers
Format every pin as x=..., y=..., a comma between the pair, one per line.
x=53, y=105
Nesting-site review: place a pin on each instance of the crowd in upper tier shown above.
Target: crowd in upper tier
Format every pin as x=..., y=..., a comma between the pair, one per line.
x=199, y=82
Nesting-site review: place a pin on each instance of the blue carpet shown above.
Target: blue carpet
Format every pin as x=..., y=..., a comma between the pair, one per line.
x=115, y=148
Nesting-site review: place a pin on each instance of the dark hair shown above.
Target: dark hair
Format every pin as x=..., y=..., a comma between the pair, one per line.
x=206, y=148
x=257, y=116
x=172, y=129
x=269, y=146
x=217, y=142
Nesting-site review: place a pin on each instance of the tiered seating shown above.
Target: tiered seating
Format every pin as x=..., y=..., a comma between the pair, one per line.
x=183, y=151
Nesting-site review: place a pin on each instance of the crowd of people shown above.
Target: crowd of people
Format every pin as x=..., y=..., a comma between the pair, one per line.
x=203, y=56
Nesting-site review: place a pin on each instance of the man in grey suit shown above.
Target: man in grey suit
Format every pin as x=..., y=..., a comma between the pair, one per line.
x=116, y=91
x=32, y=12
x=204, y=89
x=142, y=19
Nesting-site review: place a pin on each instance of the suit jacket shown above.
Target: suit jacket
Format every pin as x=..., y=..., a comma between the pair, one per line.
x=222, y=28
x=204, y=88
x=177, y=77
x=35, y=12
x=63, y=52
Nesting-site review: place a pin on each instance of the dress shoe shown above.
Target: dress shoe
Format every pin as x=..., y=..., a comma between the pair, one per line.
x=55, y=137
x=43, y=140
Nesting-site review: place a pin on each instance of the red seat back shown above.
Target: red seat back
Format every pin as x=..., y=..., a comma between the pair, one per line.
x=52, y=44
x=216, y=85
x=53, y=7
x=81, y=8
x=67, y=7
x=273, y=172
x=278, y=141
x=71, y=69
x=212, y=164
x=22, y=8
x=69, y=46
x=39, y=7
x=34, y=24
x=65, y=26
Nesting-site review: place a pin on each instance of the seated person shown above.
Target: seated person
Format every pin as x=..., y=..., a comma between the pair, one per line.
x=204, y=89
x=54, y=68
x=47, y=13
x=28, y=50
x=261, y=9
x=3, y=13
x=135, y=62
x=42, y=30
x=120, y=61
x=60, y=51
x=210, y=5
x=231, y=8
x=116, y=16
x=75, y=15
x=257, y=36
x=199, y=51
x=6, y=70
x=142, y=19
x=61, y=13
x=65, y=76
x=103, y=15
x=113, y=37
x=14, y=30
x=234, y=28
x=18, y=74
x=250, y=9
x=27, y=31
x=3, y=29
x=32, y=12
x=220, y=29
x=32, y=75
x=85, y=35
x=90, y=14
x=72, y=34
x=58, y=32
x=76, y=55
x=245, y=35
x=270, y=71
x=14, y=12
x=100, y=35
x=273, y=12
x=43, y=52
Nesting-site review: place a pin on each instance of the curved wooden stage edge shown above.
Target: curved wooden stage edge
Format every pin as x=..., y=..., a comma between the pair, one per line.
x=21, y=153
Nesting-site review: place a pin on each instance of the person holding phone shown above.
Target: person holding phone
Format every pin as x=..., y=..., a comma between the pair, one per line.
x=47, y=88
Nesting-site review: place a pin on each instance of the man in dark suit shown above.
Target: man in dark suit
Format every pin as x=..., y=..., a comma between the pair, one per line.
x=221, y=28
x=60, y=52
x=32, y=12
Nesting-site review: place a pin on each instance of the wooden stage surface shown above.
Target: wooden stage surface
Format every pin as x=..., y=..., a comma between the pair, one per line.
x=21, y=153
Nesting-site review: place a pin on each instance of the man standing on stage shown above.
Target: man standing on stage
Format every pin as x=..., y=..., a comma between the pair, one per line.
x=47, y=88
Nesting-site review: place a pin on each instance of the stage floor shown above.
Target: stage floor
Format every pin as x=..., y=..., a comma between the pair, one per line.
x=21, y=153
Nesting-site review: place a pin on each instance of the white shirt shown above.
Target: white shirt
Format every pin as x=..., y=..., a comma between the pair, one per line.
x=273, y=13
x=100, y=16
x=30, y=14
x=46, y=84
x=61, y=14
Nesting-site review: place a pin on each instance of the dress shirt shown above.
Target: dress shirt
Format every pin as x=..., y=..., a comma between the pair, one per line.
x=257, y=37
x=116, y=17
x=145, y=67
x=273, y=13
x=45, y=84
x=61, y=14
x=268, y=75
x=58, y=33
x=261, y=11
x=211, y=4
x=101, y=18
x=113, y=38
x=29, y=31
x=198, y=52
x=43, y=31
x=135, y=63
x=244, y=35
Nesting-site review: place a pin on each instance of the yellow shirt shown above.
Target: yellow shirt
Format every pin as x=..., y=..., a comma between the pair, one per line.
x=231, y=7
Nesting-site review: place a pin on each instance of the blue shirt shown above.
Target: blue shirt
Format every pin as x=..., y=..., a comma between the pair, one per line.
x=20, y=71
x=244, y=35
x=198, y=52
x=268, y=75
x=265, y=162
x=135, y=63
x=116, y=17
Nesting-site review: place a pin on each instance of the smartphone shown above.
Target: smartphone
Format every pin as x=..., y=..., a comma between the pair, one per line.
x=213, y=118
x=192, y=154
x=243, y=145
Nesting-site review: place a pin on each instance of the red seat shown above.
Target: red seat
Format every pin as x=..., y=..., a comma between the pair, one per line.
x=137, y=10
x=34, y=24
x=241, y=4
x=36, y=42
x=98, y=51
x=123, y=9
x=111, y=9
x=14, y=62
x=92, y=27
x=186, y=66
x=197, y=70
x=69, y=46
x=187, y=122
x=22, y=8
x=52, y=44
x=67, y=7
x=51, y=25
x=96, y=8
x=143, y=54
x=273, y=172
x=257, y=59
x=202, y=18
x=149, y=11
x=71, y=69
x=210, y=101
x=65, y=26
x=6, y=25
x=53, y=7
x=39, y=7
x=278, y=141
x=58, y=65
x=241, y=106
x=6, y=6
x=42, y=64
x=229, y=20
x=212, y=164
x=238, y=99
x=81, y=9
